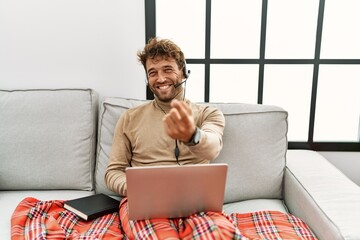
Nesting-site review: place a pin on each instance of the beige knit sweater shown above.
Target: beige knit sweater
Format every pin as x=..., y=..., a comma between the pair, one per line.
x=140, y=140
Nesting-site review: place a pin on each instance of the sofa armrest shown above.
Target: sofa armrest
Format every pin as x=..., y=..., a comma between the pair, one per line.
x=321, y=195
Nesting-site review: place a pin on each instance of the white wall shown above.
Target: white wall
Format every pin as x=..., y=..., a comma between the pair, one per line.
x=73, y=44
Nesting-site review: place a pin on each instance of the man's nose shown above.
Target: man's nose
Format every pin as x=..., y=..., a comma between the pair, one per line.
x=161, y=76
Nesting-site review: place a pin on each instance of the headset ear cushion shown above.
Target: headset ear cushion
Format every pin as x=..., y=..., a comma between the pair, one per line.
x=186, y=71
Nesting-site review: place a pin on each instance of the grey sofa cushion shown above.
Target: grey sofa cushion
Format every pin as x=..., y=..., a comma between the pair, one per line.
x=110, y=111
x=255, y=144
x=254, y=147
x=47, y=139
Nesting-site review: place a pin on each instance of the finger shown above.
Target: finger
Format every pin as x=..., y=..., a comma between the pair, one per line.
x=183, y=108
x=167, y=127
x=175, y=115
x=184, y=111
x=170, y=125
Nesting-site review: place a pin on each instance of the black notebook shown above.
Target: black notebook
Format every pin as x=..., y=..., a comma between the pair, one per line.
x=93, y=206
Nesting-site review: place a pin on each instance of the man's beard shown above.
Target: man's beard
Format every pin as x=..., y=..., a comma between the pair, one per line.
x=169, y=96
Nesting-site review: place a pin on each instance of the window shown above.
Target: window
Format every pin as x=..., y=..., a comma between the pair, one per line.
x=302, y=55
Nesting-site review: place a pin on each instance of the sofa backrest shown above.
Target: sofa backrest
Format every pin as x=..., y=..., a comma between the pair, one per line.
x=110, y=111
x=255, y=145
x=48, y=139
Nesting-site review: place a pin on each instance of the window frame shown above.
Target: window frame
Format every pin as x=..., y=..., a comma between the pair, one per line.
x=150, y=31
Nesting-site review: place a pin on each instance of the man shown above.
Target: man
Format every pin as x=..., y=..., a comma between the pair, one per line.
x=168, y=130
x=150, y=133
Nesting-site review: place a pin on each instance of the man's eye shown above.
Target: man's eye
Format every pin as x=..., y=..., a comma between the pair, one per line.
x=168, y=70
x=151, y=74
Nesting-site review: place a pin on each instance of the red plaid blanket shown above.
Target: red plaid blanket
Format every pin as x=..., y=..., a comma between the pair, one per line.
x=34, y=219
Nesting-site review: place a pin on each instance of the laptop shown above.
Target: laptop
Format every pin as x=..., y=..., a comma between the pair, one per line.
x=173, y=191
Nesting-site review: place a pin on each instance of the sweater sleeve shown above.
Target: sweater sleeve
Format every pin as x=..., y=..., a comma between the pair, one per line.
x=211, y=123
x=119, y=158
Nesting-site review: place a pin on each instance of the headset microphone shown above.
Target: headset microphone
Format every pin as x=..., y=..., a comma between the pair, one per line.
x=178, y=84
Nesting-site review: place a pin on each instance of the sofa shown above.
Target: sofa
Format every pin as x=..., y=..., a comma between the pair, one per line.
x=55, y=144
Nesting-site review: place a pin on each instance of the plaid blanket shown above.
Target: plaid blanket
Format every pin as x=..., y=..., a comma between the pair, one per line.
x=34, y=219
x=38, y=220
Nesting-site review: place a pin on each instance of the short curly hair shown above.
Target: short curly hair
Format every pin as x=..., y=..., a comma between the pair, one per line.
x=164, y=48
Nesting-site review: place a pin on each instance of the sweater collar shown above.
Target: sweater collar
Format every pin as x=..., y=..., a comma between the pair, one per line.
x=165, y=106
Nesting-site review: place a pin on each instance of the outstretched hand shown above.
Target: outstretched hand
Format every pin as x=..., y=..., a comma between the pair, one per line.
x=179, y=122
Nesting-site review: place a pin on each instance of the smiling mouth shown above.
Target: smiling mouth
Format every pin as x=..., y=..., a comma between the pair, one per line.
x=164, y=87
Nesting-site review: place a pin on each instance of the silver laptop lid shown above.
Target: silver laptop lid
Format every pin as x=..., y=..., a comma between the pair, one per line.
x=175, y=191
